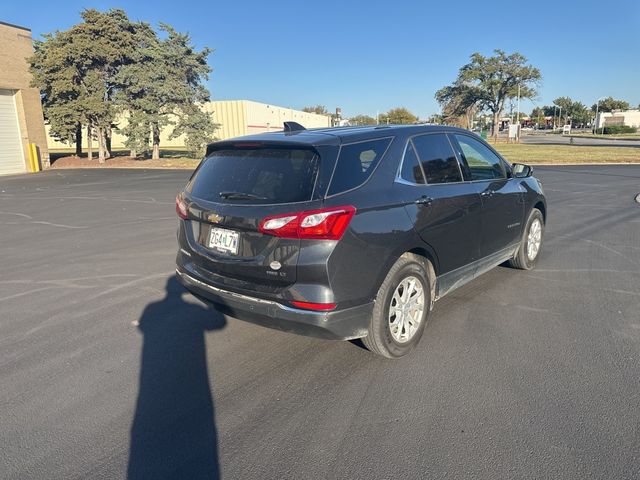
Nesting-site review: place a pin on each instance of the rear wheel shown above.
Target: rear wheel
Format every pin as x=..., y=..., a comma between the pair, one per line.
x=531, y=243
x=401, y=308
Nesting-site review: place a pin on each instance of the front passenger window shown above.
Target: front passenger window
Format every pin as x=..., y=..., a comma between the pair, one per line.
x=482, y=162
x=437, y=158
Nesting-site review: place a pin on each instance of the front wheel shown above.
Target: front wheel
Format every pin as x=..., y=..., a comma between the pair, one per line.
x=531, y=243
x=401, y=308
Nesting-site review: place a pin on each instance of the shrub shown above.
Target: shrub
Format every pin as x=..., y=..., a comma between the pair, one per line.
x=613, y=129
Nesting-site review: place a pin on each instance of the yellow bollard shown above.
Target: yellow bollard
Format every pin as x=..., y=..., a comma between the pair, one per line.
x=33, y=158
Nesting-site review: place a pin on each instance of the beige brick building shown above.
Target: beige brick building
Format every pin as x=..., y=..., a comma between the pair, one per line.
x=21, y=119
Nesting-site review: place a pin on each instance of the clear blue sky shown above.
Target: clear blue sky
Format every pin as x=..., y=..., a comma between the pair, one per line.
x=368, y=55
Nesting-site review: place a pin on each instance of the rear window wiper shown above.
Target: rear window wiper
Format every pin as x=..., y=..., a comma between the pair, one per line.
x=240, y=196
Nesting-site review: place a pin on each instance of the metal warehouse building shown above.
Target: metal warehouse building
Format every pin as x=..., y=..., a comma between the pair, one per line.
x=245, y=117
x=234, y=119
x=23, y=142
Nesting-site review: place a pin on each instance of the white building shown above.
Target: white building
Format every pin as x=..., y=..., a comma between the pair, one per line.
x=234, y=118
x=629, y=118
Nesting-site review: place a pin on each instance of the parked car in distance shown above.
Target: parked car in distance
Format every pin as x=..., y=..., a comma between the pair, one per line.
x=355, y=232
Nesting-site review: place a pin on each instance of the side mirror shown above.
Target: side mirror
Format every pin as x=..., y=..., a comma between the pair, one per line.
x=520, y=170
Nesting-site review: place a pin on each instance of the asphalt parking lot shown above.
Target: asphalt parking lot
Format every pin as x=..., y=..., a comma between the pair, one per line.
x=108, y=370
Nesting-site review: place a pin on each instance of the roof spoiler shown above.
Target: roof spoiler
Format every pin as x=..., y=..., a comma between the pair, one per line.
x=293, y=127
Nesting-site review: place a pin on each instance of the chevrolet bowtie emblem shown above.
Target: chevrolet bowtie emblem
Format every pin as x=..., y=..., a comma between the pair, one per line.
x=214, y=217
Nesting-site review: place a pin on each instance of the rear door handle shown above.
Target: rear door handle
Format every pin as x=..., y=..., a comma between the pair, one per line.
x=488, y=193
x=424, y=200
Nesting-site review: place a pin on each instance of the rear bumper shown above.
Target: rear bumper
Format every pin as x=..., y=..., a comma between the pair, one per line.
x=342, y=324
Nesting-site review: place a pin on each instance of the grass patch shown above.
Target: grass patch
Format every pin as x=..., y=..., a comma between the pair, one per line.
x=539, y=154
x=612, y=136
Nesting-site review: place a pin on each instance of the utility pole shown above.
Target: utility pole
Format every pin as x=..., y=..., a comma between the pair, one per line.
x=560, y=115
x=595, y=121
x=518, y=115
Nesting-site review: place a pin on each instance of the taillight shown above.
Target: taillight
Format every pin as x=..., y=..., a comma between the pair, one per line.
x=324, y=224
x=181, y=207
x=321, y=307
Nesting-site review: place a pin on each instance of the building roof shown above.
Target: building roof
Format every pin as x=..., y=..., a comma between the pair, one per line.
x=14, y=26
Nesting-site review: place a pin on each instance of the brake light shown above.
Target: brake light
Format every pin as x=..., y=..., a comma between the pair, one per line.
x=324, y=224
x=181, y=207
x=314, y=306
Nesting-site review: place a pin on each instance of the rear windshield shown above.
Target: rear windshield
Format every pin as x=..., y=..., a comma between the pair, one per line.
x=256, y=175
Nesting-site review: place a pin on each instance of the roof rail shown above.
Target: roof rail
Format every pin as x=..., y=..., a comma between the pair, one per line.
x=293, y=127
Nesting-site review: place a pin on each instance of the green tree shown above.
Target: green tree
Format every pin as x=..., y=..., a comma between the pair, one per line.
x=107, y=66
x=164, y=84
x=537, y=115
x=610, y=104
x=398, y=116
x=100, y=45
x=362, y=120
x=459, y=103
x=564, y=106
x=137, y=132
x=75, y=71
x=198, y=128
x=59, y=90
x=572, y=111
x=317, y=109
x=490, y=81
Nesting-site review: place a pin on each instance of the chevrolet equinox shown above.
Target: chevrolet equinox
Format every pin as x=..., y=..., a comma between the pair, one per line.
x=352, y=232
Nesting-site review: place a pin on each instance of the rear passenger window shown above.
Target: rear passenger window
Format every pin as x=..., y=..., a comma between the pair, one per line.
x=483, y=163
x=411, y=170
x=437, y=158
x=356, y=163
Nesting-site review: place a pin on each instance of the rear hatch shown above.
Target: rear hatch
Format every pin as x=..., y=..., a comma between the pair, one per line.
x=233, y=190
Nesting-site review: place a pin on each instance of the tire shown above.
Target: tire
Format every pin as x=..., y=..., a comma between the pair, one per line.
x=394, y=341
x=523, y=259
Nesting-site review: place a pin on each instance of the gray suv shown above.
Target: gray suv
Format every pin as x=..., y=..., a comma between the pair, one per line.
x=346, y=233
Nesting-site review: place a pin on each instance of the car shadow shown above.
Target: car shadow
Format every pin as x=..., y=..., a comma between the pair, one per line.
x=173, y=434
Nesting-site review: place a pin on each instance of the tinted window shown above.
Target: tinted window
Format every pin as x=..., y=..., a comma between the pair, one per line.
x=356, y=163
x=411, y=171
x=438, y=159
x=483, y=163
x=271, y=175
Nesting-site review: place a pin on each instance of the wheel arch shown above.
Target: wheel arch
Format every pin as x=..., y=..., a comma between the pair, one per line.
x=540, y=205
x=420, y=249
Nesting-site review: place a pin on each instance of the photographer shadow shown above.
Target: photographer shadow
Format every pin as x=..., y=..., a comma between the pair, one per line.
x=173, y=434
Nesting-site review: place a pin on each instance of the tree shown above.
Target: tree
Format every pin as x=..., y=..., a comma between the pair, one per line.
x=75, y=71
x=538, y=115
x=564, y=105
x=459, y=103
x=99, y=47
x=362, y=120
x=137, y=132
x=318, y=109
x=164, y=84
x=490, y=81
x=107, y=66
x=59, y=90
x=577, y=112
x=198, y=128
x=398, y=116
x=610, y=104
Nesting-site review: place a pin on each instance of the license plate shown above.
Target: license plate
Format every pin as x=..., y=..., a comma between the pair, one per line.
x=224, y=240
